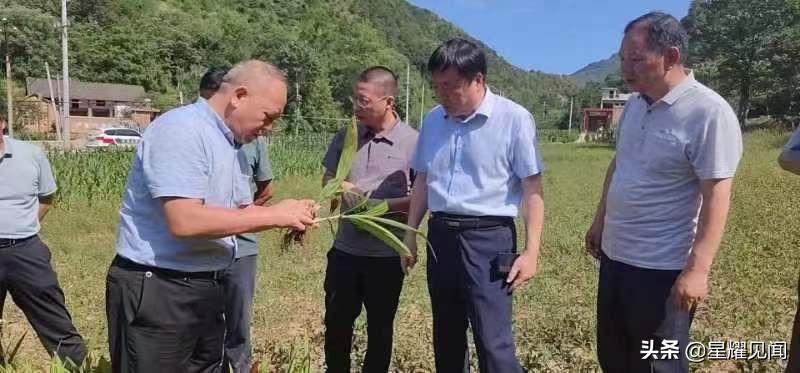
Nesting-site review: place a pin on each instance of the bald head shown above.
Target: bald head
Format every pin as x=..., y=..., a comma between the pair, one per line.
x=382, y=77
x=253, y=72
x=251, y=97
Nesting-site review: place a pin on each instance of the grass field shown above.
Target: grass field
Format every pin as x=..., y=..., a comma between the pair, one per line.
x=753, y=294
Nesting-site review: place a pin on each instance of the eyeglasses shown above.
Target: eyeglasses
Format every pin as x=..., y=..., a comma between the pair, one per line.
x=364, y=102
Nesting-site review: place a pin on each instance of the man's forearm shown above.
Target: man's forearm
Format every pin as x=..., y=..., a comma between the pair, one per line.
x=711, y=224
x=532, y=213
x=195, y=220
x=601, y=206
x=44, y=206
x=263, y=192
x=401, y=204
x=418, y=204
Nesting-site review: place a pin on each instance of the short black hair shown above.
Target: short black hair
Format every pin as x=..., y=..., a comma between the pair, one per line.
x=211, y=81
x=663, y=32
x=465, y=56
x=382, y=76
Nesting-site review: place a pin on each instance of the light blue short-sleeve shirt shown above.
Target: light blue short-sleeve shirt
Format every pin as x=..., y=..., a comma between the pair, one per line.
x=475, y=166
x=25, y=176
x=664, y=150
x=188, y=152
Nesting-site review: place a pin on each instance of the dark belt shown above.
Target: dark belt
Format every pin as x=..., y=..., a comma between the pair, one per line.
x=453, y=221
x=10, y=242
x=164, y=272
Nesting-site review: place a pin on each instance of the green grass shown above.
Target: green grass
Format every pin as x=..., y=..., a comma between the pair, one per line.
x=753, y=294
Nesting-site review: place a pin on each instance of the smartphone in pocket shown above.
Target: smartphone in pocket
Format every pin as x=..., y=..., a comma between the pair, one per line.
x=505, y=261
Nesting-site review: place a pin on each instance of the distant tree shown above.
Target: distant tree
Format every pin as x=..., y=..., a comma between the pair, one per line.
x=733, y=42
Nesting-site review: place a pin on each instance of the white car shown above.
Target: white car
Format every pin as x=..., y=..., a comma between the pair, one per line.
x=112, y=137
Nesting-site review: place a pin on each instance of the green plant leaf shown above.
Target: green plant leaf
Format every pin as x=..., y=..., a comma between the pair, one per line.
x=331, y=190
x=379, y=232
x=349, y=150
x=405, y=227
x=378, y=209
x=16, y=348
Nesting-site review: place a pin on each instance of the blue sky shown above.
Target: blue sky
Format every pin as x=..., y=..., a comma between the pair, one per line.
x=554, y=36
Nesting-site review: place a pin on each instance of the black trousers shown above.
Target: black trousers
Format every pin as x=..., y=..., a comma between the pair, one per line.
x=351, y=281
x=159, y=321
x=25, y=272
x=467, y=289
x=634, y=307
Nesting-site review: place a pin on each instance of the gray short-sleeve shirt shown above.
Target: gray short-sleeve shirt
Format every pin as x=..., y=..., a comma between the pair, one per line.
x=381, y=167
x=664, y=150
x=257, y=154
x=25, y=176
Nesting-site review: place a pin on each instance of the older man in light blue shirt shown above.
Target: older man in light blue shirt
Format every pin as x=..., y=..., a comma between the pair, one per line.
x=478, y=163
x=188, y=195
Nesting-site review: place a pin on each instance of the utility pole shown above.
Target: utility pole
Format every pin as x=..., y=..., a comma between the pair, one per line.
x=9, y=82
x=571, y=102
x=297, y=107
x=65, y=103
x=422, y=105
x=408, y=86
x=53, y=101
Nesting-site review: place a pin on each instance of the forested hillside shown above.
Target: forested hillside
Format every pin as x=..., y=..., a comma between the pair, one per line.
x=166, y=45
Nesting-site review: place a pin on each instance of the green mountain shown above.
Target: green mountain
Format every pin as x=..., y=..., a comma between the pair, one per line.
x=596, y=71
x=166, y=45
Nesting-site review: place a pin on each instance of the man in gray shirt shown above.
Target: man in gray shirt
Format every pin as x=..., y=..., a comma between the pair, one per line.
x=27, y=188
x=361, y=268
x=665, y=202
x=789, y=160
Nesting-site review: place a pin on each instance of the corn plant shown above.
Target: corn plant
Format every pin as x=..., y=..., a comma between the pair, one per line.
x=364, y=216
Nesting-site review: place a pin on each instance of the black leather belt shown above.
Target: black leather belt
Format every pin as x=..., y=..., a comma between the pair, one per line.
x=164, y=272
x=453, y=221
x=9, y=242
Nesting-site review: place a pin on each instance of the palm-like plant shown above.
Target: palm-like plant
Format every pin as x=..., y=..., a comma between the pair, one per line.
x=365, y=216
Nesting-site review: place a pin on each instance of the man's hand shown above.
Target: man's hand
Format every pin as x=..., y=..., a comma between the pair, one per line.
x=294, y=214
x=690, y=289
x=408, y=262
x=525, y=267
x=594, y=238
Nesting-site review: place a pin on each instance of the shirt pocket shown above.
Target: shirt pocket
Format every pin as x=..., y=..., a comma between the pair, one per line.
x=242, y=190
x=662, y=152
x=394, y=177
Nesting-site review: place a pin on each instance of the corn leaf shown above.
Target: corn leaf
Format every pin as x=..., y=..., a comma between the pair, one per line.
x=378, y=209
x=380, y=232
x=400, y=225
x=331, y=190
x=349, y=151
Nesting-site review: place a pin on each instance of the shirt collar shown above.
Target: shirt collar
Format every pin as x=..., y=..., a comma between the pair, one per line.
x=484, y=109
x=205, y=108
x=389, y=137
x=677, y=91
